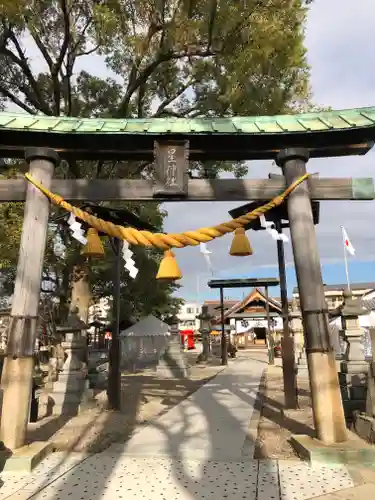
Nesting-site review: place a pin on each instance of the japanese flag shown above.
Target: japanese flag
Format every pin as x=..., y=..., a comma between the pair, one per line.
x=347, y=244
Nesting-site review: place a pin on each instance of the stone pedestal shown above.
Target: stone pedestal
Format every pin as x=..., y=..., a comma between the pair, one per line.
x=296, y=328
x=370, y=401
x=354, y=368
x=302, y=360
x=71, y=391
x=364, y=422
x=299, y=350
x=206, y=355
x=55, y=365
x=173, y=363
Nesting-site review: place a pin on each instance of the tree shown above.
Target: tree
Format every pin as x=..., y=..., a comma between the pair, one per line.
x=184, y=58
x=168, y=58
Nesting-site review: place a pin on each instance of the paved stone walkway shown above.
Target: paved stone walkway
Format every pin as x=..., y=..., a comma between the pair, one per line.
x=198, y=450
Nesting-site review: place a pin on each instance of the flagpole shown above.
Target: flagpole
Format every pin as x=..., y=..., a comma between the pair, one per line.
x=346, y=263
x=346, y=269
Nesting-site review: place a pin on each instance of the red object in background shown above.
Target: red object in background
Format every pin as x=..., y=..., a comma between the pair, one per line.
x=190, y=338
x=277, y=351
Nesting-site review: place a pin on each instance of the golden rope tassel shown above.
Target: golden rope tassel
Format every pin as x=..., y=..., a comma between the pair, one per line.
x=168, y=269
x=94, y=245
x=240, y=245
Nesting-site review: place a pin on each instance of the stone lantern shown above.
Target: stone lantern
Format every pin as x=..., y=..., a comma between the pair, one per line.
x=350, y=312
x=71, y=391
x=173, y=363
x=354, y=367
x=173, y=323
x=205, y=328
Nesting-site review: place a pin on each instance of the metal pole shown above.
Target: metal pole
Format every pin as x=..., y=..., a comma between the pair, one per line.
x=287, y=341
x=271, y=354
x=114, y=374
x=329, y=421
x=346, y=265
x=224, y=350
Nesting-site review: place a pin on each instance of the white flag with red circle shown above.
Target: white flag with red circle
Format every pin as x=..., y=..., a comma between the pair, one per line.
x=347, y=244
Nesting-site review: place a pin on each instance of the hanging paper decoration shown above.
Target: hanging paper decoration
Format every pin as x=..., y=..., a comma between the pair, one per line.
x=77, y=231
x=206, y=254
x=127, y=255
x=270, y=228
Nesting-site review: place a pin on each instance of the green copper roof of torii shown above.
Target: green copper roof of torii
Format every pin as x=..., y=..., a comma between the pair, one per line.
x=324, y=134
x=278, y=124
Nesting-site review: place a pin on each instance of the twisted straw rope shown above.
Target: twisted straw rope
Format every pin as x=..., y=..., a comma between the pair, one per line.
x=162, y=240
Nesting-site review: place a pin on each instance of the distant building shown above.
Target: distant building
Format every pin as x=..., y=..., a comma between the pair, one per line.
x=187, y=316
x=334, y=293
x=213, y=306
x=247, y=319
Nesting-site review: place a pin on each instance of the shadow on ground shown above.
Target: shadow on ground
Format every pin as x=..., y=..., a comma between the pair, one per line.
x=217, y=471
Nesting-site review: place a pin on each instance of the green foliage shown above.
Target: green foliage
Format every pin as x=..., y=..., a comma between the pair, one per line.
x=139, y=297
x=212, y=57
x=185, y=58
x=11, y=215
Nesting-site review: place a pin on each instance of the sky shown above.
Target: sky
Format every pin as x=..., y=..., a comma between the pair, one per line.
x=340, y=41
x=340, y=37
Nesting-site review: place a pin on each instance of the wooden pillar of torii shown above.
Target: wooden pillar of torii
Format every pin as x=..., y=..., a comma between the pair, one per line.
x=17, y=375
x=18, y=366
x=328, y=411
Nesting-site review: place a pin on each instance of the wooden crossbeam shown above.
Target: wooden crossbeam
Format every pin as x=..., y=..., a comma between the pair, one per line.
x=198, y=189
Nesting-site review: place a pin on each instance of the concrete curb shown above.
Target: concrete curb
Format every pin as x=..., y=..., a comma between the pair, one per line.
x=252, y=431
x=26, y=458
x=356, y=493
x=361, y=475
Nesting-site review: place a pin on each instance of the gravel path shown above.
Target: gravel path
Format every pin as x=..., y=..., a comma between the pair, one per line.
x=276, y=425
x=144, y=396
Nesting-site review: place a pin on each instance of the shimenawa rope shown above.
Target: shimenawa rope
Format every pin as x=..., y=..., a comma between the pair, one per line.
x=162, y=240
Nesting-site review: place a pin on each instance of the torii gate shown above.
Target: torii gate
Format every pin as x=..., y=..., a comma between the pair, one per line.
x=170, y=143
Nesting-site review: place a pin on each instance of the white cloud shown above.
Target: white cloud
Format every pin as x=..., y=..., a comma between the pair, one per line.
x=340, y=37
